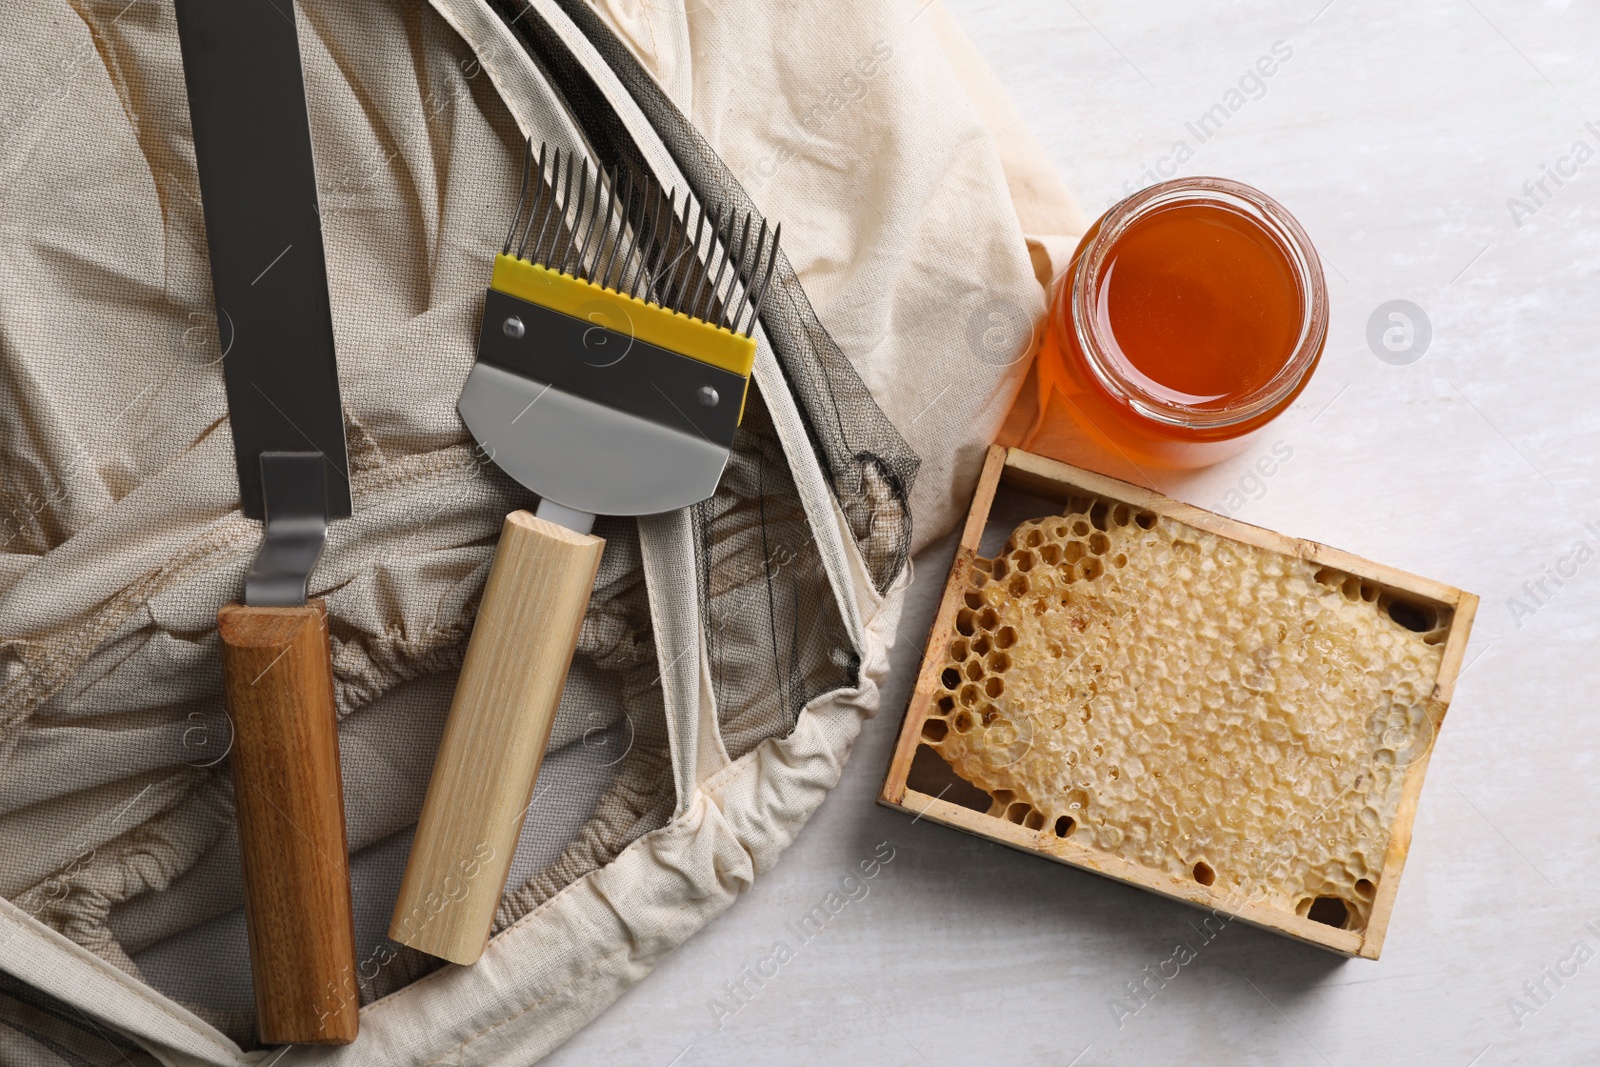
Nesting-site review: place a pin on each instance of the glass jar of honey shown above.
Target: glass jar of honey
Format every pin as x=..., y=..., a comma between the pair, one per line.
x=1192, y=314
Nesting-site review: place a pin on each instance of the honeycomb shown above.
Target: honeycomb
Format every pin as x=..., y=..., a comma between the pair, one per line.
x=1224, y=713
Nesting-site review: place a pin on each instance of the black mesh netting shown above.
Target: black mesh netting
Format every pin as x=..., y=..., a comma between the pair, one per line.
x=868, y=464
x=771, y=643
x=762, y=582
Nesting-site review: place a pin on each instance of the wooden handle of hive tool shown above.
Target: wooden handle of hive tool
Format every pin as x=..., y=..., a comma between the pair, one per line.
x=290, y=804
x=494, y=740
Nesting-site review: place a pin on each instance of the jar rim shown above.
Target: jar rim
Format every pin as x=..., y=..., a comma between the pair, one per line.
x=1278, y=224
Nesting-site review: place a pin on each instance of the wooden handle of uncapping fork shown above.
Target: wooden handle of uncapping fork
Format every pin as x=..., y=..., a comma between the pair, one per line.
x=279, y=682
x=494, y=739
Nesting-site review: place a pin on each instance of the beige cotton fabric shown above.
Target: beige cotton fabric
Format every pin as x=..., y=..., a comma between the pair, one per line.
x=919, y=217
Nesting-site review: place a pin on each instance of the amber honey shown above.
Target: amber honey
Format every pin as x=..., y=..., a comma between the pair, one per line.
x=1193, y=314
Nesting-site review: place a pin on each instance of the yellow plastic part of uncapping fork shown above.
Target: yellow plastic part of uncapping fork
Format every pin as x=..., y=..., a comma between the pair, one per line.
x=628, y=315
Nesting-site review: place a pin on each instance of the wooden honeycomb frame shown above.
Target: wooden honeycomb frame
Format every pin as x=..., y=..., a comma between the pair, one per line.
x=1050, y=479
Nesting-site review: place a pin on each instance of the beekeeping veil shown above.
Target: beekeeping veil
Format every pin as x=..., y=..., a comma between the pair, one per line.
x=731, y=650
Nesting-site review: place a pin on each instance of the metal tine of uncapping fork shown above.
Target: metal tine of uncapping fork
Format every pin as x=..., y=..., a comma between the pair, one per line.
x=594, y=242
x=621, y=217
x=650, y=255
x=668, y=216
x=652, y=215
x=690, y=255
x=559, y=216
x=643, y=228
x=636, y=235
x=725, y=243
x=766, y=281
x=679, y=230
x=540, y=202
x=640, y=239
x=722, y=241
x=552, y=210
x=692, y=249
x=747, y=280
x=522, y=197
x=577, y=218
x=602, y=222
x=741, y=250
x=573, y=253
x=547, y=197
x=705, y=264
x=579, y=269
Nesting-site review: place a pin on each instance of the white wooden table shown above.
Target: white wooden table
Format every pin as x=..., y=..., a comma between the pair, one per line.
x=1401, y=135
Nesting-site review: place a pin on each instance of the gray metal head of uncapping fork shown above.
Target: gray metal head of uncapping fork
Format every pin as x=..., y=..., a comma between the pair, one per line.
x=575, y=406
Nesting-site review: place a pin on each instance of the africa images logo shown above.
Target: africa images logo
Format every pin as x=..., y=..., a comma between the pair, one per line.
x=1251, y=85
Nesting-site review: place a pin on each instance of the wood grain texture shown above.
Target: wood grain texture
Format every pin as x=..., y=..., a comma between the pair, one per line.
x=894, y=787
x=1055, y=480
x=494, y=740
x=1066, y=850
x=290, y=803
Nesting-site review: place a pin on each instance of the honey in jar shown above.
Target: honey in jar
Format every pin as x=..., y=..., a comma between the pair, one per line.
x=1193, y=313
